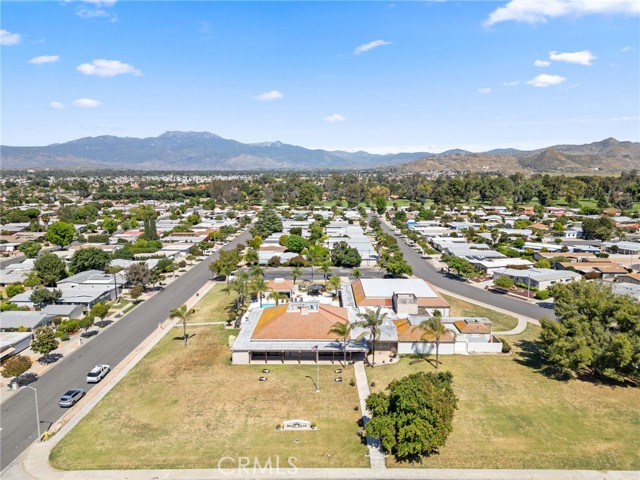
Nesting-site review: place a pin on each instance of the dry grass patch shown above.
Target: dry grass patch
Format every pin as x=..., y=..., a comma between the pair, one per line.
x=511, y=416
x=501, y=321
x=213, y=306
x=188, y=408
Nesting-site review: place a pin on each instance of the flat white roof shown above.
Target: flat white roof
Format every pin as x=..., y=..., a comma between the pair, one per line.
x=385, y=287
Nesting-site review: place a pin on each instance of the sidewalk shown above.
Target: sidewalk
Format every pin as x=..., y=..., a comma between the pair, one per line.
x=376, y=456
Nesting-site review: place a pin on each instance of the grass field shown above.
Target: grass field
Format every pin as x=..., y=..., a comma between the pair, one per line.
x=213, y=307
x=188, y=408
x=501, y=321
x=512, y=416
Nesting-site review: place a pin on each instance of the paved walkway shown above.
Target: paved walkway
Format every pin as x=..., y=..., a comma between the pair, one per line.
x=376, y=457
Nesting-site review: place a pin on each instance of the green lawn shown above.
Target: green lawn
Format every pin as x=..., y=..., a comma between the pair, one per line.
x=213, y=307
x=188, y=408
x=460, y=308
x=512, y=416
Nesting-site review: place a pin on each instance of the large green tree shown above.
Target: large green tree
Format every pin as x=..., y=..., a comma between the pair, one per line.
x=342, y=255
x=30, y=248
x=138, y=274
x=91, y=258
x=268, y=222
x=41, y=297
x=595, y=331
x=60, y=233
x=44, y=340
x=415, y=418
x=49, y=268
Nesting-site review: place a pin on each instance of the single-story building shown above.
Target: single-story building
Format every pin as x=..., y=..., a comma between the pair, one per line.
x=540, y=278
x=464, y=335
x=64, y=311
x=31, y=320
x=12, y=343
x=293, y=333
x=410, y=296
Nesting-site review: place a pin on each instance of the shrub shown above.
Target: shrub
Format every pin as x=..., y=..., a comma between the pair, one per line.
x=542, y=295
x=352, y=382
x=506, y=347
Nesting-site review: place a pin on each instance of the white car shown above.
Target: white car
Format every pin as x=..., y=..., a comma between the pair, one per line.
x=97, y=373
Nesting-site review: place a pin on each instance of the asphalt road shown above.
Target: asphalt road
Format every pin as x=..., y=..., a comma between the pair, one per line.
x=426, y=271
x=111, y=346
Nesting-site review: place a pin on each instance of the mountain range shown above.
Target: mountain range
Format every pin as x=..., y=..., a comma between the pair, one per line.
x=207, y=151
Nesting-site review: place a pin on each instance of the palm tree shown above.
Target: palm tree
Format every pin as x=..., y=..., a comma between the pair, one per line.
x=343, y=330
x=260, y=285
x=296, y=272
x=334, y=282
x=112, y=270
x=277, y=296
x=183, y=313
x=372, y=321
x=356, y=273
x=257, y=271
x=433, y=328
x=325, y=268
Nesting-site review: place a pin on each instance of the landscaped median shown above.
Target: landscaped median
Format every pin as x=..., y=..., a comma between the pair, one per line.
x=512, y=416
x=189, y=408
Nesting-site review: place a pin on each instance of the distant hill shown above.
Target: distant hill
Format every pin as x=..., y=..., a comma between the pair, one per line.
x=608, y=156
x=189, y=151
x=207, y=151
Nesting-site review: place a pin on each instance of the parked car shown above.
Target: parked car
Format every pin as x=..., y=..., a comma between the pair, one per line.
x=97, y=373
x=72, y=397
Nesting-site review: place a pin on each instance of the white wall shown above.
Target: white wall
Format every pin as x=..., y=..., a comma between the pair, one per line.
x=240, y=358
x=407, y=348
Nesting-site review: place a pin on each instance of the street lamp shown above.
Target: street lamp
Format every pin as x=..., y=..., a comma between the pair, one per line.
x=35, y=392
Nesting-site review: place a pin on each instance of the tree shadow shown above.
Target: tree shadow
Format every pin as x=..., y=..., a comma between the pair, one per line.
x=416, y=358
x=529, y=356
x=50, y=358
x=181, y=337
x=27, y=378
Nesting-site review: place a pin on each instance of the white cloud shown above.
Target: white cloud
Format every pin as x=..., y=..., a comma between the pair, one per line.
x=545, y=80
x=84, y=12
x=541, y=63
x=513, y=83
x=583, y=57
x=539, y=11
x=484, y=91
x=370, y=46
x=107, y=68
x=336, y=117
x=7, y=38
x=56, y=105
x=269, y=96
x=627, y=49
x=86, y=103
x=42, y=59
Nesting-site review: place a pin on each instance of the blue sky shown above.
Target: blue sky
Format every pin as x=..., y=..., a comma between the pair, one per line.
x=377, y=76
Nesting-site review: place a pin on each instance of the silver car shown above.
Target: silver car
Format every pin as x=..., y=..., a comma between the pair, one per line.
x=72, y=397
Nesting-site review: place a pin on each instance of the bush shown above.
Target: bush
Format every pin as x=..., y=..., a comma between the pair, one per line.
x=68, y=326
x=352, y=382
x=542, y=295
x=506, y=347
